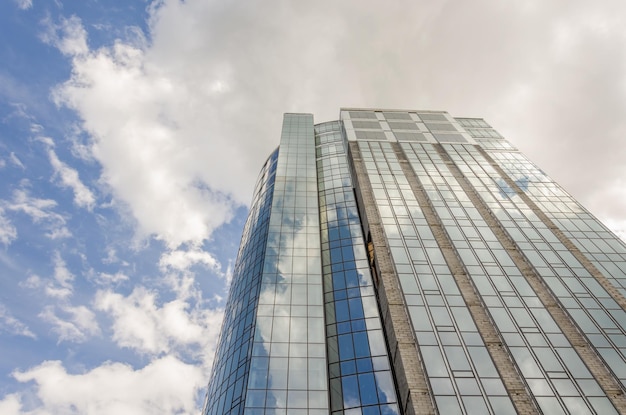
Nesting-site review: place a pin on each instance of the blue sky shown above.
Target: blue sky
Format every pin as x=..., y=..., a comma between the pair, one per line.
x=131, y=133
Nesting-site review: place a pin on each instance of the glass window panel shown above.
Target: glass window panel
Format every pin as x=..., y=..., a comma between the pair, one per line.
x=526, y=362
x=448, y=405
x=573, y=363
x=442, y=386
x=475, y=405
x=548, y=359
x=317, y=374
x=361, y=344
x=576, y=406
x=468, y=386
x=255, y=398
x=590, y=387
x=433, y=360
x=350, y=389
x=550, y=405
x=603, y=406
x=346, y=349
x=502, y=405
x=456, y=358
x=367, y=386
x=297, y=399
x=377, y=343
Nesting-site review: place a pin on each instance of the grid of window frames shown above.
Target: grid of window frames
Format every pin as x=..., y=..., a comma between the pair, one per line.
x=591, y=307
x=288, y=363
x=231, y=364
x=360, y=377
x=558, y=379
x=485, y=136
x=462, y=376
x=602, y=248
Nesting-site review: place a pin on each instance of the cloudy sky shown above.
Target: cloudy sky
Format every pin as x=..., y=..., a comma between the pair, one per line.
x=131, y=133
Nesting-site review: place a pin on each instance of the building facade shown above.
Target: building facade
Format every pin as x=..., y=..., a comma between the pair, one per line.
x=408, y=262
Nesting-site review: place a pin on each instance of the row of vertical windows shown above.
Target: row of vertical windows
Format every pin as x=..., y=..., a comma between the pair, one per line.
x=359, y=371
x=231, y=364
x=602, y=248
x=591, y=307
x=533, y=338
x=460, y=371
x=288, y=362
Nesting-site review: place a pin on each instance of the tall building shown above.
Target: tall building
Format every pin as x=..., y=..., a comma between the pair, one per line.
x=409, y=262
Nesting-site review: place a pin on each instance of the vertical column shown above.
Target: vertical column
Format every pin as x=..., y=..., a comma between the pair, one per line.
x=413, y=388
x=227, y=387
x=510, y=376
x=288, y=365
x=542, y=285
x=360, y=375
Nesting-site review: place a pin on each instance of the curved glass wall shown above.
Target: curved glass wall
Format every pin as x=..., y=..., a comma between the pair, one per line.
x=359, y=371
x=288, y=362
x=232, y=362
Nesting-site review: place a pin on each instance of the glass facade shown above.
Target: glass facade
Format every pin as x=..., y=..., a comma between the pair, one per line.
x=407, y=262
x=359, y=369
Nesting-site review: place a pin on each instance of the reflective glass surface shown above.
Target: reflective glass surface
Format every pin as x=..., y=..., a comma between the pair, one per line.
x=232, y=359
x=461, y=373
x=359, y=372
x=288, y=362
x=533, y=338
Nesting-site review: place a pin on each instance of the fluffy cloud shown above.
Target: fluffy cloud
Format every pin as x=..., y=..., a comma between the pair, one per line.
x=165, y=386
x=40, y=211
x=83, y=197
x=11, y=404
x=182, y=260
x=69, y=36
x=24, y=4
x=183, y=120
x=12, y=325
x=60, y=285
x=16, y=161
x=144, y=325
x=69, y=322
x=7, y=231
x=76, y=324
x=150, y=159
x=104, y=278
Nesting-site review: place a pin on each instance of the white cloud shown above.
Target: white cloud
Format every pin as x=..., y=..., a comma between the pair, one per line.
x=164, y=386
x=618, y=227
x=16, y=161
x=83, y=197
x=11, y=405
x=69, y=36
x=184, y=121
x=40, y=211
x=32, y=282
x=111, y=257
x=10, y=324
x=176, y=267
x=71, y=323
x=104, y=278
x=182, y=260
x=24, y=4
x=143, y=325
x=8, y=233
x=60, y=286
x=76, y=324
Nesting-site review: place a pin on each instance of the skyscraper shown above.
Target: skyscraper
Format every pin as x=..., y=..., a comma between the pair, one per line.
x=409, y=262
